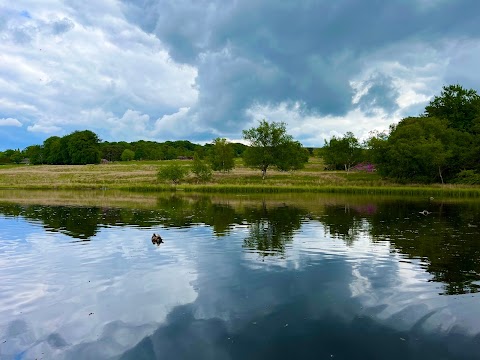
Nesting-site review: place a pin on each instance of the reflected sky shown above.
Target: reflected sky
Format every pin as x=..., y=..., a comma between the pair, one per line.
x=279, y=283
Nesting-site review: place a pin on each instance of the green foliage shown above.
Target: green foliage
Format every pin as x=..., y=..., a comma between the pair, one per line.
x=35, y=154
x=270, y=145
x=342, y=152
x=82, y=148
x=422, y=150
x=53, y=152
x=468, y=177
x=128, y=155
x=221, y=155
x=291, y=156
x=459, y=106
x=201, y=170
x=172, y=172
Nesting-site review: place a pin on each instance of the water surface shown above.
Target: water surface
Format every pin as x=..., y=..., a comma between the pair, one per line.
x=241, y=277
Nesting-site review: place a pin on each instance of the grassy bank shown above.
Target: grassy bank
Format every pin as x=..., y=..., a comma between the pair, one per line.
x=142, y=177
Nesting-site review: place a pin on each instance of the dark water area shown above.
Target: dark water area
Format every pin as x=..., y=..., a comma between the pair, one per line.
x=242, y=278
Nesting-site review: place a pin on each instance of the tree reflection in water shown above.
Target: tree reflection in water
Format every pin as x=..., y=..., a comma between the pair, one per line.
x=270, y=230
x=446, y=240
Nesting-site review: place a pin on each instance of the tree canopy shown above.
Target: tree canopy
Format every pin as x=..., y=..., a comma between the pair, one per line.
x=221, y=155
x=270, y=145
x=342, y=152
x=459, y=106
x=434, y=147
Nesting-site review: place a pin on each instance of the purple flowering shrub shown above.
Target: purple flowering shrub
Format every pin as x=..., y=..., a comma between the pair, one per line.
x=364, y=167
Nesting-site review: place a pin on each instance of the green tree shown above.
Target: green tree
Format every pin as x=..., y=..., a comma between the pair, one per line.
x=83, y=147
x=35, y=154
x=459, y=106
x=418, y=149
x=221, y=155
x=200, y=169
x=16, y=156
x=53, y=151
x=128, y=155
x=342, y=152
x=172, y=172
x=270, y=145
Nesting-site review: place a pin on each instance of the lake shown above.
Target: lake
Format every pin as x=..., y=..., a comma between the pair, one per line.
x=238, y=277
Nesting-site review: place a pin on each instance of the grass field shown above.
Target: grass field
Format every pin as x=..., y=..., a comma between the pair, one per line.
x=142, y=176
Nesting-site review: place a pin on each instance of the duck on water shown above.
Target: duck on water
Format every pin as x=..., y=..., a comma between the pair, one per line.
x=156, y=239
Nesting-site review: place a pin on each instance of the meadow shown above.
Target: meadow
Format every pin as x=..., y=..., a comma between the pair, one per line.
x=141, y=176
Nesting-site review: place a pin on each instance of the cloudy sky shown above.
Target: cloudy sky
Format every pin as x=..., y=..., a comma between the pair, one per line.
x=198, y=69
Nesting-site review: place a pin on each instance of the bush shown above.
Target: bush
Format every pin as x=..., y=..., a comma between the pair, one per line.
x=364, y=167
x=173, y=172
x=468, y=177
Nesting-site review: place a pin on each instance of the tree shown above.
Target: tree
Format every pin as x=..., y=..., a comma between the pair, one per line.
x=270, y=145
x=53, y=152
x=459, y=106
x=418, y=149
x=128, y=155
x=83, y=147
x=342, y=152
x=221, y=155
x=172, y=172
x=34, y=153
x=202, y=171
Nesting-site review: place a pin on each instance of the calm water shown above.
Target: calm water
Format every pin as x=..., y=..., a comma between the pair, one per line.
x=241, y=278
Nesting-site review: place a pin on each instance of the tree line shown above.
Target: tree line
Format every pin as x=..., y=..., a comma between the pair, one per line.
x=440, y=145
x=85, y=147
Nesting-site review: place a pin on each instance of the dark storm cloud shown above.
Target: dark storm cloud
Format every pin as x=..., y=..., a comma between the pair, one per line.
x=269, y=52
x=381, y=94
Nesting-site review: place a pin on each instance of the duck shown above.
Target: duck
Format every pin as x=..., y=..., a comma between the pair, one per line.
x=156, y=239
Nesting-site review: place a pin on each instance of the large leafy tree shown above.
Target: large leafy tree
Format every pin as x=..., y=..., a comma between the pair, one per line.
x=53, y=151
x=82, y=147
x=221, y=155
x=459, y=106
x=420, y=149
x=270, y=145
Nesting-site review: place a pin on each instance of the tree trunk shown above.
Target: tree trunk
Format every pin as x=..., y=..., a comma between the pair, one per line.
x=440, y=173
x=264, y=173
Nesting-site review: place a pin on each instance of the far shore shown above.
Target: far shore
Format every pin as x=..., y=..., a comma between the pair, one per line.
x=141, y=176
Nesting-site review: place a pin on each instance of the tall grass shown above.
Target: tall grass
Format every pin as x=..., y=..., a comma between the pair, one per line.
x=142, y=177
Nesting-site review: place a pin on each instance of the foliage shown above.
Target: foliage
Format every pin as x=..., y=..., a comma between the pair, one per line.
x=35, y=154
x=128, y=155
x=459, y=106
x=201, y=170
x=221, y=155
x=270, y=145
x=291, y=156
x=82, y=148
x=342, y=152
x=172, y=172
x=468, y=177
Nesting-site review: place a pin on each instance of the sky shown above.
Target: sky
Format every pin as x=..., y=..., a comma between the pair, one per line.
x=200, y=69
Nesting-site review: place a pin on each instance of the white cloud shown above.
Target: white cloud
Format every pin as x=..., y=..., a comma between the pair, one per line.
x=314, y=129
x=73, y=59
x=44, y=128
x=10, y=122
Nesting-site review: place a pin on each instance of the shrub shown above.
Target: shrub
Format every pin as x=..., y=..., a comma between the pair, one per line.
x=468, y=177
x=173, y=172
